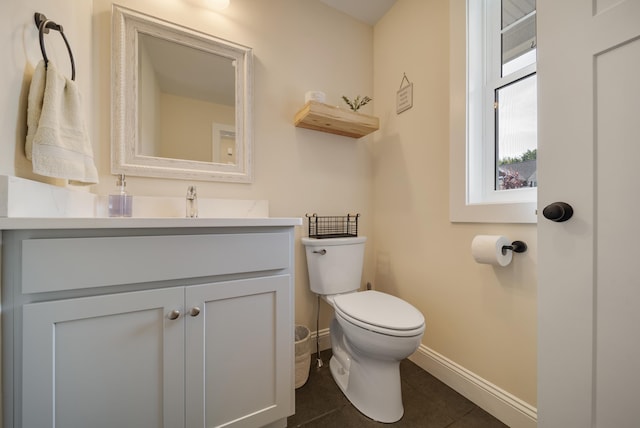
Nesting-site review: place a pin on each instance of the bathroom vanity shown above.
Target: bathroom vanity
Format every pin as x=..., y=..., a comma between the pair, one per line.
x=147, y=322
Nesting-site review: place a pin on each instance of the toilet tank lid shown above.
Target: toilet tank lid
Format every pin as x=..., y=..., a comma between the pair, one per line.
x=320, y=242
x=380, y=309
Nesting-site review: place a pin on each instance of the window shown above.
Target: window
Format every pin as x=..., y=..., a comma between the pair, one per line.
x=516, y=135
x=500, y=142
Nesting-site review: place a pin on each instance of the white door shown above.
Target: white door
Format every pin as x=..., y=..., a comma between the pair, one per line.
x=589, y=266
x=104, y=361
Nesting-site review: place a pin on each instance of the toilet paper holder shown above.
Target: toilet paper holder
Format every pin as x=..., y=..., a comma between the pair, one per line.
x=516, y=247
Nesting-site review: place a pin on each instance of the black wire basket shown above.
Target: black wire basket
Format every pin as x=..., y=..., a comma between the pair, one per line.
x=333, y=226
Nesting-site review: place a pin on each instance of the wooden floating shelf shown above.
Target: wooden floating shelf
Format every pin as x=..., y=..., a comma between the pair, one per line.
x=334, y=120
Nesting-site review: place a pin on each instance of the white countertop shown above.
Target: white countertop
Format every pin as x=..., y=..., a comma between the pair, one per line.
x=27, y=204
x=15, y=223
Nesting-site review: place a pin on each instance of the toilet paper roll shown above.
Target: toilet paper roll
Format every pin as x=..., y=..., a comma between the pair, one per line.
x=314, y=96
x=487, y=249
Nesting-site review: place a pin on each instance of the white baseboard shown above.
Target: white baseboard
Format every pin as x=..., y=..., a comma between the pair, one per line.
x=494, y=400
x=504, y=406
x=325, y=340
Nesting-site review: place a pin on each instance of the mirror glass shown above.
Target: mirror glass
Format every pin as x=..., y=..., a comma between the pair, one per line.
x=181, y=102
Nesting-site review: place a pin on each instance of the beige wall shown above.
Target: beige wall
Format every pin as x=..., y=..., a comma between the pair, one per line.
x=298, y=45
x=483, y=318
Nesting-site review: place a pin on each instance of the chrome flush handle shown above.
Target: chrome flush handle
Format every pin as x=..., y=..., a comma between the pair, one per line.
x=321, y=252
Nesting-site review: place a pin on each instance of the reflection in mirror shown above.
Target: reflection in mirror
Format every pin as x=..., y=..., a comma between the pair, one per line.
x=224, y=143
x=181, y=102
x=178, y=100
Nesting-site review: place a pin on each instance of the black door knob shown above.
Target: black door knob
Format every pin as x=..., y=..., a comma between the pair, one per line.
x=558, y=211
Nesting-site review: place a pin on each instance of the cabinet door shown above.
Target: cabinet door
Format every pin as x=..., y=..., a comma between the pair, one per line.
x=239, y=353
x=106, y=361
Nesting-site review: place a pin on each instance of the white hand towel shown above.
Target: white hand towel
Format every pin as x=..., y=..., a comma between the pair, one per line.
x=57, y=141
x=34, y=106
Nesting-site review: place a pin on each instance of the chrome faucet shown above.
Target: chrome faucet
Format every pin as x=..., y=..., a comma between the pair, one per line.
x=192, y=202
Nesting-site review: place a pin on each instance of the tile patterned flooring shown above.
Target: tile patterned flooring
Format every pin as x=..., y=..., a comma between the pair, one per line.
x=428, y=403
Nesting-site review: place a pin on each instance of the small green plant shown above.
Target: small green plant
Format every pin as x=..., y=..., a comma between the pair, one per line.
x=357, y=102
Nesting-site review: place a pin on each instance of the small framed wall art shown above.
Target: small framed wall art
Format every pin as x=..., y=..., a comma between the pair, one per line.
x=404, y=96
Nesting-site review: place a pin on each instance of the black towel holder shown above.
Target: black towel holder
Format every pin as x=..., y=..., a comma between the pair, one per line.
x=44, y=25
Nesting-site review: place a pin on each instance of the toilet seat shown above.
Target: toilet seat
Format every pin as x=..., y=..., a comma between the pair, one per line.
x=380, y=312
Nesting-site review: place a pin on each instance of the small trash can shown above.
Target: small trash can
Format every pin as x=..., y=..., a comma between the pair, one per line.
x=303, y=354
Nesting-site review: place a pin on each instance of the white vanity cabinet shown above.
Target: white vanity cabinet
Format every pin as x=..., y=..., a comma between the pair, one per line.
x=184, y=327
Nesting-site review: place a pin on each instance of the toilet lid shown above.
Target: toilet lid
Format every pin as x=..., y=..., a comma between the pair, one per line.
x=379, y=309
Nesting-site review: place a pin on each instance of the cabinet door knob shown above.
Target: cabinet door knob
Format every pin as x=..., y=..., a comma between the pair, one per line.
x=174, y=314
x=195, y=311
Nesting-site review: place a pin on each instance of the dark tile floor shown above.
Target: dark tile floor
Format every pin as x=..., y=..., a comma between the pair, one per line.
x=428, y=403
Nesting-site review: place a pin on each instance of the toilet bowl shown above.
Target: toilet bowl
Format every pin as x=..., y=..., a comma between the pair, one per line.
x=371, y=332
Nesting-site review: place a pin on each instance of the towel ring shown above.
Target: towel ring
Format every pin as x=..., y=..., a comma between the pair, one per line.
x=44, y=25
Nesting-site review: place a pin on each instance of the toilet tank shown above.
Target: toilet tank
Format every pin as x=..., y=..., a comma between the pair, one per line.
x=335, y=264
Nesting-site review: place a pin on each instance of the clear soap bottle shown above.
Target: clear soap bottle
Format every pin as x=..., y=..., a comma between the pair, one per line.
x=120, y=204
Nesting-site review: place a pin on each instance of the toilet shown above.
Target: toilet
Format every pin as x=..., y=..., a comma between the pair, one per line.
x=371, y=332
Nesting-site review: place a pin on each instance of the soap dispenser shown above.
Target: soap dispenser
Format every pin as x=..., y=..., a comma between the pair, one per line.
x=120, y=204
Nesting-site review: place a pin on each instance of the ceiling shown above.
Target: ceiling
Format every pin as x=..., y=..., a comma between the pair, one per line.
x=369, y=11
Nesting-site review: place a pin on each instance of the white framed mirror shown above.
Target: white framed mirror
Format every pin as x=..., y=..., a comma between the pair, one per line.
x=181, y=101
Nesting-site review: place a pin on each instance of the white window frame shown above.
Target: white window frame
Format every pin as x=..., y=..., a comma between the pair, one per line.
x=472, y=162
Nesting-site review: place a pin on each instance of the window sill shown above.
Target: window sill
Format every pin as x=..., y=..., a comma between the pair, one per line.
x=518, y=212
